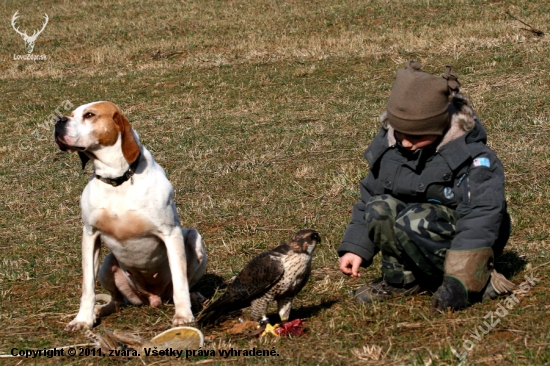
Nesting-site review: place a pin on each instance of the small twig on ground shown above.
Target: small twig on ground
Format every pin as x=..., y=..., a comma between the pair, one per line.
x=535, y=31
x=158, y=55
x=542, y=265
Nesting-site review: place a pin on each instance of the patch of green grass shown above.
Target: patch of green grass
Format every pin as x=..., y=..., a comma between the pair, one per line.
x=260, y=113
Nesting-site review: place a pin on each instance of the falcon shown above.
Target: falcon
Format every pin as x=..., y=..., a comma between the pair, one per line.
x=278, y=274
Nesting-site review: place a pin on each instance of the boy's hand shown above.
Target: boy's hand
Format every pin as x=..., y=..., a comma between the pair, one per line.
x=350, y=263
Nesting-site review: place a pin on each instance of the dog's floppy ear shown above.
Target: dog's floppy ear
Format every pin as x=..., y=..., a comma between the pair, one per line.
x=130, y=148
x=83, y=158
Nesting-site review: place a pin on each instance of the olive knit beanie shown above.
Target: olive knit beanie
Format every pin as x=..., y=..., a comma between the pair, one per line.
x=419, y=102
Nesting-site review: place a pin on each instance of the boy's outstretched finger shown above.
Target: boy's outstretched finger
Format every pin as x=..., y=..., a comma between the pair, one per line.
x=349, y=265
x=355, y=269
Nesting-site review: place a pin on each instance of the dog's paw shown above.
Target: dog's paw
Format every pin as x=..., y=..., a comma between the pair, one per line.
x=78, y=325
x=181, y=320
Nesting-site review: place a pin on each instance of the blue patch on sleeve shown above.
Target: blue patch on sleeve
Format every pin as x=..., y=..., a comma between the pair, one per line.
x=482, y=162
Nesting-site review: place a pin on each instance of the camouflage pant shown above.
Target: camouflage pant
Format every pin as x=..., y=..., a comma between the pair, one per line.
x=413, y=238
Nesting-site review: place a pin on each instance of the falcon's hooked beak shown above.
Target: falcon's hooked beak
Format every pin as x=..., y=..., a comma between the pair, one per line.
x=315, y=239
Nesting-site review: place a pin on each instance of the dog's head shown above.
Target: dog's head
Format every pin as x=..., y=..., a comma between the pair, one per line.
x=94, y=126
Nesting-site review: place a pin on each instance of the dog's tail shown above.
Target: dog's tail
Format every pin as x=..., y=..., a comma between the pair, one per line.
x=103, y=297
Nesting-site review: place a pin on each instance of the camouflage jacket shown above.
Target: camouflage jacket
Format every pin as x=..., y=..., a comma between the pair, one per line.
x=459, y=171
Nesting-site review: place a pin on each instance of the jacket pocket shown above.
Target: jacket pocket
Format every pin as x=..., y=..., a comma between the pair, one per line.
x=438, y=184
x=387, y=175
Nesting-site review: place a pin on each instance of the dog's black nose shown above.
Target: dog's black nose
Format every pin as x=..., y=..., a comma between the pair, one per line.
x=61, y=119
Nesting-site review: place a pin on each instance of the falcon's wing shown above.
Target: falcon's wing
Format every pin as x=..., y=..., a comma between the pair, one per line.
x=259, y=275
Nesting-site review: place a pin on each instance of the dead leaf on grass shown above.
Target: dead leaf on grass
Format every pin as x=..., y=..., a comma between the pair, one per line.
x=243, y=328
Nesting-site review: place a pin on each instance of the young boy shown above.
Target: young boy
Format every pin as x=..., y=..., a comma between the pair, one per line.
x=433, y=202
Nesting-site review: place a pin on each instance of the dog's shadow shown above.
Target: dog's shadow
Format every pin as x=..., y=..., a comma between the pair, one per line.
x=509, y=263
x=209, y=284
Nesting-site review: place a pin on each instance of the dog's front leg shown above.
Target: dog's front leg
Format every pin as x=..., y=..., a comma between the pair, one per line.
x=90, y=256
x=178, y=268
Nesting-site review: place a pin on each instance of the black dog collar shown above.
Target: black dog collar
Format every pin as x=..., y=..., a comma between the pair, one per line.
x=119, y=180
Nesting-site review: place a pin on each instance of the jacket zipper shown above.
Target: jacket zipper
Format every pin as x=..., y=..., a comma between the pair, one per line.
x=466, y=188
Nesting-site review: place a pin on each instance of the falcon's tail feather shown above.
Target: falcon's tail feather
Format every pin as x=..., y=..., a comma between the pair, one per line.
x=206, y=317
x=213, y=312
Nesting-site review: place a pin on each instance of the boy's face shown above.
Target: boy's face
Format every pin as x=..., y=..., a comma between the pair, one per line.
x=413, y=142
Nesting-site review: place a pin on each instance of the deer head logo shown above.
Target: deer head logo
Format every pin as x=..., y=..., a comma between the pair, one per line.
x=29, y=40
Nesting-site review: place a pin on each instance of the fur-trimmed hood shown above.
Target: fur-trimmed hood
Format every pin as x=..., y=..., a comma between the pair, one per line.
x=463, y=120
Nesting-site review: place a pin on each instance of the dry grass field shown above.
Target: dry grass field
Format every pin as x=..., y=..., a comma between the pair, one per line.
x=260, y=111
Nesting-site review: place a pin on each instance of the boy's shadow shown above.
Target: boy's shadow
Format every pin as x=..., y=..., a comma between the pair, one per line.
x=509, y=263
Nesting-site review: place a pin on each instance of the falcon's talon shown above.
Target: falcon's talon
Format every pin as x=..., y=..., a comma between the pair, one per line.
x=270, y=329
x=264, y=320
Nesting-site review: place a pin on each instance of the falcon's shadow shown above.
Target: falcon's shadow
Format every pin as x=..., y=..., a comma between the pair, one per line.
x=210, y=283
x=305, y=312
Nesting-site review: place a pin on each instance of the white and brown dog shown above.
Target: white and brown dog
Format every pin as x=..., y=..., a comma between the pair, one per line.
x=129, y=205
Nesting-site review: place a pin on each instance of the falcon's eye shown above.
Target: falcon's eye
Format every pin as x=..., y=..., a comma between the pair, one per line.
x=89, y=115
